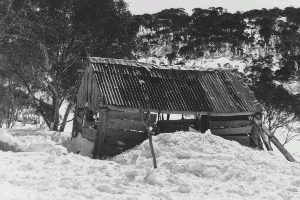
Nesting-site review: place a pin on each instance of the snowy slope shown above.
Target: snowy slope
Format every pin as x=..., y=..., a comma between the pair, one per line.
x=190, y=166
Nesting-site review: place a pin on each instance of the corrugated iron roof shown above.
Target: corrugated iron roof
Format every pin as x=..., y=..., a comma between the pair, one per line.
x=169, y=89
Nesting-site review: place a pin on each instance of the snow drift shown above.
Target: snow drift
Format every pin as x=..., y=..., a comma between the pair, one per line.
x=8, y=142
x=33, y=141
x=190, y=166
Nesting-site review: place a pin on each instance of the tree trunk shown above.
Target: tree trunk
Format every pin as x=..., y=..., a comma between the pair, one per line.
x=11, y=117
x=55, y=114
x=7, y=116
x=17, y=115
x=46, y=120
x=64, y=122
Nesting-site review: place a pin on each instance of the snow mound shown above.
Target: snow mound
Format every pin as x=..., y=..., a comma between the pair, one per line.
x=8, y=142
x=45, y=147
x=30, y=143
x=191, y=165
x=210, y=166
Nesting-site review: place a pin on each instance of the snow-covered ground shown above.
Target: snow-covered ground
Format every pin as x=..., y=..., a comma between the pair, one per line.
x=190, y=166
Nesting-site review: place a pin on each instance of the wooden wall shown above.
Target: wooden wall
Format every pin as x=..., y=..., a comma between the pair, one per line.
x=117, y=132
x=218, y=126
x=234, y=125
x=82, y=92
x=89, y=91
x=170, y=126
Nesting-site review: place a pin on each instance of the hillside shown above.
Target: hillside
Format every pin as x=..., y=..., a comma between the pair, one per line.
x=172, y=37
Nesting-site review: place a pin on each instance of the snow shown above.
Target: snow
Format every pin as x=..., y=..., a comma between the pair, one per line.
x=200, y=64
x=81, y=145
x=8, y=142
x=190, y=166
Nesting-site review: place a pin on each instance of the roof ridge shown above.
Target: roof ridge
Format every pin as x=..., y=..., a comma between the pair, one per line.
x=136, y=63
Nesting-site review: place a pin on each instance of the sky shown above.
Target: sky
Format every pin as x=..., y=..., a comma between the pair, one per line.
x=154, y=6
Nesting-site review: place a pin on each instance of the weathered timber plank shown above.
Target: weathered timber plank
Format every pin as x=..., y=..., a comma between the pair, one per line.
x=136, y=110
x=89, y=134
x=90, y=87
x=130, y=116
x=225, y=131
x=258, y=130
x=227, y=124
x=81, y=94
x=281, y=148
x=187, y=122
x=231, y=114
x=101, y=133
x=94, y=95
x=81, y=97
x=126, y=124
x=172, y=129
x=170, y=126
x=85, y=84
x=123, y=134
x=127, y=141
x=230, y=118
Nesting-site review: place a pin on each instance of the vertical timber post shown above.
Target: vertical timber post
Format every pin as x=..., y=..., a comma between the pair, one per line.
x=258, y=122
x=276, y=142
x=74, y=127
x=255, y=141
x=101, y=133
x=79, y=116
x=147, y=122
x=281, y=148
x=197, y=124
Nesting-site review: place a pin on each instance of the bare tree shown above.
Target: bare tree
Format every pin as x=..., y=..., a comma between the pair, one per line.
x=290, y=134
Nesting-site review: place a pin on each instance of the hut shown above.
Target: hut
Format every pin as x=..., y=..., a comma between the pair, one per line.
x=112, y=93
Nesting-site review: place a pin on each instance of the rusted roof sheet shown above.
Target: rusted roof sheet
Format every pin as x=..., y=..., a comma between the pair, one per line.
x=169, y=89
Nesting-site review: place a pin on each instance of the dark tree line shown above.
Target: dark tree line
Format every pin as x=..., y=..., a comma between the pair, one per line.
x=44, y=42
x=215, y=29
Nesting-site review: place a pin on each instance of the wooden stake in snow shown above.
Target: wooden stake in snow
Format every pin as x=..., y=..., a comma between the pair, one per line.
x=147, y=122
x=257, y=126
x=274, y=140
x=279, y=146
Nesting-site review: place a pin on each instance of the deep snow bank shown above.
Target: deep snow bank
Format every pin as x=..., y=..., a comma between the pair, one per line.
x=8, y=142
x=31, y=140
x=190, y=166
